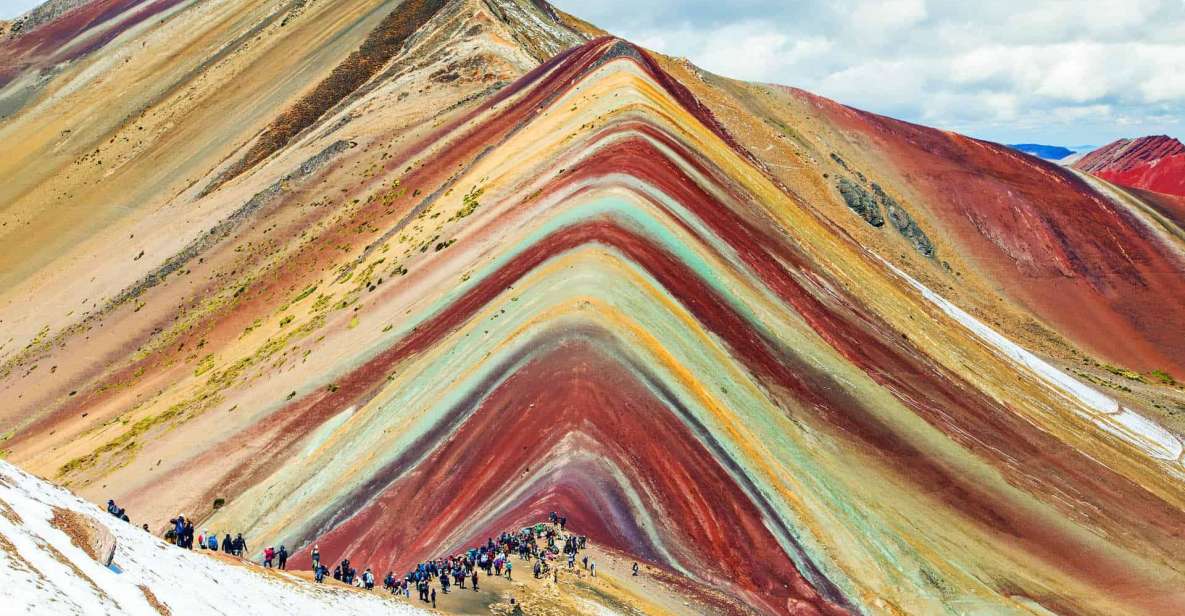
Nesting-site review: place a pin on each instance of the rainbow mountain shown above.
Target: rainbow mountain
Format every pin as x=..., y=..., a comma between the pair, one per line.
x=389, y=277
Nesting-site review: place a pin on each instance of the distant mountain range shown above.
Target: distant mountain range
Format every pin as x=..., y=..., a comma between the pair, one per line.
x=1048, y=152
x=1051, y=152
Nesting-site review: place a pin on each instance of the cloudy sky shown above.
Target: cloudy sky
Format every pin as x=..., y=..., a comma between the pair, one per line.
x=12, y=8
x=1065, y=72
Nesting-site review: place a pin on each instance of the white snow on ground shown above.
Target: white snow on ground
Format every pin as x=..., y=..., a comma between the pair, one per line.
x=1104, y=411
x=43, y=573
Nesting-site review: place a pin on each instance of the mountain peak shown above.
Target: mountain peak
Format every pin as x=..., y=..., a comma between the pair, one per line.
x=1154, y=162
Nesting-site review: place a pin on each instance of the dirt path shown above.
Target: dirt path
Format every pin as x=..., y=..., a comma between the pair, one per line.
x=614, y=590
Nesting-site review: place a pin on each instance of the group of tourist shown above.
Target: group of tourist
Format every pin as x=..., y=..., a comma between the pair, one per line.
x=539, y=544
x=181, y=533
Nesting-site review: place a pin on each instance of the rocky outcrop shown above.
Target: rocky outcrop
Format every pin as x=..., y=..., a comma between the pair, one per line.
x=904, y=223
x=869, y=206
x=861, y=202
x=86, y=533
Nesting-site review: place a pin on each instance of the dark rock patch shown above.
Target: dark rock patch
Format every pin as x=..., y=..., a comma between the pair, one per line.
x=861, y=202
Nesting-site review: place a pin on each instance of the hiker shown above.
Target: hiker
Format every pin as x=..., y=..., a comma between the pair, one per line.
x=319, y=572
x=433, y=598
x=282, y=557
x=444, y=583
x=316, y=556
x=111, y=508
x=228, y=544
x=179, y=529
x=240, y=545
x=268, y=554
x=474, y=580
x=592, y=568
x=201, y=538
x=389, y=582
x=635, y=569
x=571, y=560
x=211, y=540
x=368, y=579
x=187, y=535
x=145, y=527
x=584, y=561
x=337, y=573
x=508, y=567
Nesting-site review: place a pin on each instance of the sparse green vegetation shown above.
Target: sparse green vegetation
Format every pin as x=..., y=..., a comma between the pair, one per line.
x=303, y=294
x=1125, y=373
x=205, y=365
x=469, y=203
x=1163, y=377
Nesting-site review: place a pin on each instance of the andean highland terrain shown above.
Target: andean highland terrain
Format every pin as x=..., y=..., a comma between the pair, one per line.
x=391, y=276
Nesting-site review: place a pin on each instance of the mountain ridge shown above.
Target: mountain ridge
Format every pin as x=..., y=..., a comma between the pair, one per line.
x=722, y=326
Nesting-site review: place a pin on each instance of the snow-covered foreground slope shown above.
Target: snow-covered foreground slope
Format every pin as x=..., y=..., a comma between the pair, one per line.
x=43, y=570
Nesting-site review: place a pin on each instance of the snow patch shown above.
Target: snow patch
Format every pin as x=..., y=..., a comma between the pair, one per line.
x=1102, y=410
x=43, y=572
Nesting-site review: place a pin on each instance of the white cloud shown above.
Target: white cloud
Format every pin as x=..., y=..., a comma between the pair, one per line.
x=877, y=17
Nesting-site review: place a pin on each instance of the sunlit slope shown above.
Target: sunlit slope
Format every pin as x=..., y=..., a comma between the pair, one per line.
x=639, y=294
